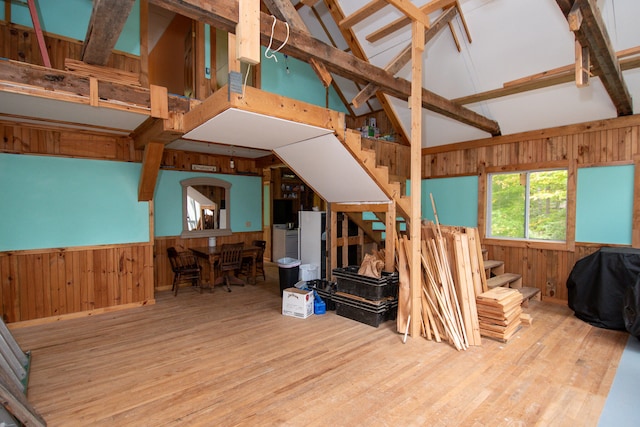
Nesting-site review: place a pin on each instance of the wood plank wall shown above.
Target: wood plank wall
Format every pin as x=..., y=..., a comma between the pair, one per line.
x=20, y=44
x=48, y=283
x=600, y=143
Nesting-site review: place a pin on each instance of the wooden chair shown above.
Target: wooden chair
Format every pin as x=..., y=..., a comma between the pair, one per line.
x=247, y=262
x=185, y=268
x=230, y=261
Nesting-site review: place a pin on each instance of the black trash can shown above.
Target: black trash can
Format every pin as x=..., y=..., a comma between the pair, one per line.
x=289, y=270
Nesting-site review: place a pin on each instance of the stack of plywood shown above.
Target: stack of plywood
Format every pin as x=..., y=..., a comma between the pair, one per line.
x=499, y=311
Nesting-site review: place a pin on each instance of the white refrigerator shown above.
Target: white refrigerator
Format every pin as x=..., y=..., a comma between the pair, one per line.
x=312, y=239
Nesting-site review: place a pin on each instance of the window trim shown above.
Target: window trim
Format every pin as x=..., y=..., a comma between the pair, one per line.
x=483, y=184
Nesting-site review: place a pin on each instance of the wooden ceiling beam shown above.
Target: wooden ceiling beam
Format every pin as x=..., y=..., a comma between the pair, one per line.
x=404, y=56
x=354, y=45
x=158, y=130
x=400, y=23
x=564, y=74
x=107, y=21
x=589, y=29
x=412, y=11
x=223, y=14
x=284, y=11
x=362, y=13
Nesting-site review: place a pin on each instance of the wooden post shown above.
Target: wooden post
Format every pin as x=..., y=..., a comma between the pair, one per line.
x=390, y=237
x=201, y=86
x=144, y=43
x=333, y=237
x=36, y=26
x=248, y=32
x=582, y=65
x=234, y=64
x=417, y=49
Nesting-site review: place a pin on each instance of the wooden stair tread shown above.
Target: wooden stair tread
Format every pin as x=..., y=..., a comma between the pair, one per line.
x=503, y=279
x=488, y=264
x=528, y=292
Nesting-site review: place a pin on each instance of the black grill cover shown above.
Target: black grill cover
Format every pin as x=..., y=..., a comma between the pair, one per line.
x=597, y=286
x=632, y=309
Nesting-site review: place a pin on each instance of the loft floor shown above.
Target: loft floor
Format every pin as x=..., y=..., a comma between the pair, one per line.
x=233, y=359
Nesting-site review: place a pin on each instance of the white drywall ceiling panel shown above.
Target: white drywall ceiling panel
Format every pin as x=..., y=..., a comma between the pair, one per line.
x=247, y=129
x=69, y=114
x=331, y=170
x=550, y=107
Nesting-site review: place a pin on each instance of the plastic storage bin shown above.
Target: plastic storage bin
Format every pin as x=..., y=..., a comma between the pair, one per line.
x=309, y=272
x=325, y=290
x=369, y=313
x=288, y=271
x=350, y=282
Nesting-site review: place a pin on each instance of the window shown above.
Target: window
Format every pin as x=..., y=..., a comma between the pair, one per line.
x=527, y=205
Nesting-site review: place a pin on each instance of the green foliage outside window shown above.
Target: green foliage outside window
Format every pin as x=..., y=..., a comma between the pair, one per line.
x=528, y=205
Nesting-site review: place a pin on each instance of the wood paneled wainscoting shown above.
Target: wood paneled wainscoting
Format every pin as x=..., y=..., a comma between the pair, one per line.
x=162, y=268
x=41, y=284
x=545, y=269
x=544, y=265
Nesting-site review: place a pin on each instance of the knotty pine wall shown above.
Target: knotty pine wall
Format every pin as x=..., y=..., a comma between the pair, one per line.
x=47, y=283
x=20, y=44
x=600, y=143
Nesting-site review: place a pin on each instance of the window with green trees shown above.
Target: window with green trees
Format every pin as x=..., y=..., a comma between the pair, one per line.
x=528, y=205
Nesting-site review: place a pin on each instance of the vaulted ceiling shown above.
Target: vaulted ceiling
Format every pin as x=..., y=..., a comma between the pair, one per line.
x=512, y=62
x=489, y=66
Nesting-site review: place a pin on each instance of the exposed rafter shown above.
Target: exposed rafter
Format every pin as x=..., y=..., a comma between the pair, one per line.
x=565, y=74
x=591, y=32
x=412, y=11
x=401, y=23
x=404, y=56
x=223, y=14
x=362, y=13
x=107, y=21
x=356, y=49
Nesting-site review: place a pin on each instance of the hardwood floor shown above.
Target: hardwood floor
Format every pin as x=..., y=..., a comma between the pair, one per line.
x=233, y=359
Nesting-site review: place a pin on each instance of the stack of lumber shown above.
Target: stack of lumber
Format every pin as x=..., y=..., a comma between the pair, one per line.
x=457, y=305
x=499, y=311
x=452, y=275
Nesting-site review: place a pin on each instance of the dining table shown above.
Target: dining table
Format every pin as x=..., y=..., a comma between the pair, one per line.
x=212, y=255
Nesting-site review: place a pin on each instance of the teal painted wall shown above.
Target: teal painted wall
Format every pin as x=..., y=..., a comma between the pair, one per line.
x=604, y=204
x=246, y=202
x=456, y=201
x=50, y=202
x=298, y=82
x=55, y=17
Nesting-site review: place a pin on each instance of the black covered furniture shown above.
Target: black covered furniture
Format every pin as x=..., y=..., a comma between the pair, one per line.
x=185, y=268
x=597, y=285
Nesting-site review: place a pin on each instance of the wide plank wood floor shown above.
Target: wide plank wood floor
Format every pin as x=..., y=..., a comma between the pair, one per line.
x=232, y=359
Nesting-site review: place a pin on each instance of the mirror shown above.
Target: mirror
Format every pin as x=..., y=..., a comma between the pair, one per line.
x=205, y=207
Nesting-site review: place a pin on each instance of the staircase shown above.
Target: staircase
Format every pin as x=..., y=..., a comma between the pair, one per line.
x=494, y=272
x=394, y=189
x=391, y=185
